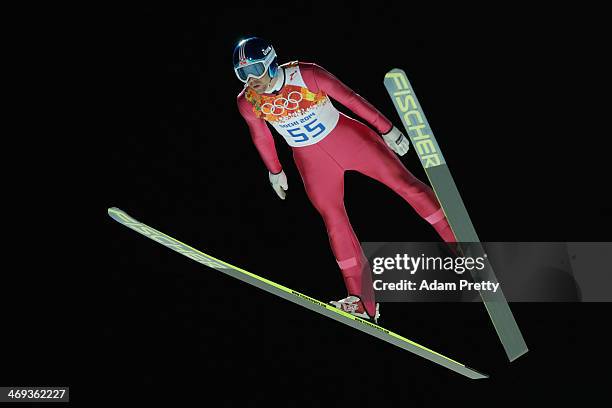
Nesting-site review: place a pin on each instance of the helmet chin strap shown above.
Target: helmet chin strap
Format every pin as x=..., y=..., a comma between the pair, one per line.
x=278, y=80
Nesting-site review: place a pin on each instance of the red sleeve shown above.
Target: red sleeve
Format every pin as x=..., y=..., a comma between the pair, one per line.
x=318, y=78
x=260, y=134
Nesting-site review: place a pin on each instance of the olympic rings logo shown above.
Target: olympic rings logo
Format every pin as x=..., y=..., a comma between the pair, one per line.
x=280, y=104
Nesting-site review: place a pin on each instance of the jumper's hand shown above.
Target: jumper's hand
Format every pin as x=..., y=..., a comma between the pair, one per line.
x=397, y=141
x=279, y=183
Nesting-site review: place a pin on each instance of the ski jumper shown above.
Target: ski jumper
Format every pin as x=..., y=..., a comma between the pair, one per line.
x=326, y=143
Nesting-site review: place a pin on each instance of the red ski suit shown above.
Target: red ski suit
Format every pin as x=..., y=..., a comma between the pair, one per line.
x=346, y=144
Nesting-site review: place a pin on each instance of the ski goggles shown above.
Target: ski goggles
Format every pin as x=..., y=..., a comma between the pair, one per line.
x=255, y=69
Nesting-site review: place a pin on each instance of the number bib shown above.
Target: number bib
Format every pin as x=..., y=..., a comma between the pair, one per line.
x=300, y=116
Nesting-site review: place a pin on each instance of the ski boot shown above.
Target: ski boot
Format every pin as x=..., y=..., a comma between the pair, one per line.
x=354, y=306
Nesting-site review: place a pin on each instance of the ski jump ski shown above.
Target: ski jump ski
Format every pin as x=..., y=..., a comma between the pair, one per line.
x=422, y=138
x=293, y=296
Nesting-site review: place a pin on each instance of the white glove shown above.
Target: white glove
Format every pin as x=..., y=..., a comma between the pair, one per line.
x=397, y=141
x=279, y=183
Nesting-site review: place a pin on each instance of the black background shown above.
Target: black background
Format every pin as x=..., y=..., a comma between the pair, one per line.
x=509, y=92
x=505, y=92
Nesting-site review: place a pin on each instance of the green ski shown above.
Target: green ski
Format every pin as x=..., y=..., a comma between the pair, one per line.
x=426, y=146
x=293, y=296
